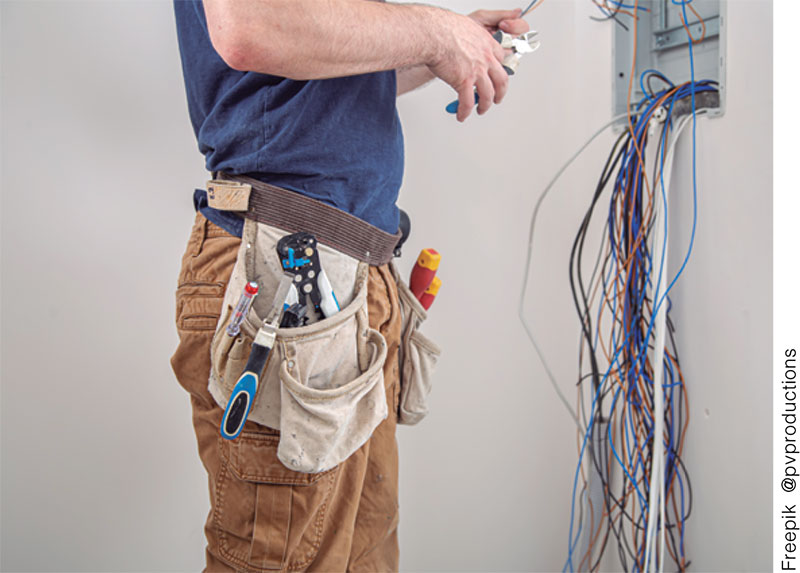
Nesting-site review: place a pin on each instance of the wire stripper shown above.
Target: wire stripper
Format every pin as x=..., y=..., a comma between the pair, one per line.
x=299, y=256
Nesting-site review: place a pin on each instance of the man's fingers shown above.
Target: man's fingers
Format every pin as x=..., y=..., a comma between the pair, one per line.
x=500, y=53
x=499, y=78
x=473, y=64
x=515, y=27
x=466, y=101
x=492, y=18
x=485, y=94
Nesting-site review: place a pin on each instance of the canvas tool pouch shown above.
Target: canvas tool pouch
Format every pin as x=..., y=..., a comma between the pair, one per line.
x=418, y=357
x=322, y=385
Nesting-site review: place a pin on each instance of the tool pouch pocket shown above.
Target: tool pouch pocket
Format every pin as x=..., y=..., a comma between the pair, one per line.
x=418, y=358
x=322, y=385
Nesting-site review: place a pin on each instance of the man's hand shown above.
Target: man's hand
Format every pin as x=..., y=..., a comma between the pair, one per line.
x=471, y=58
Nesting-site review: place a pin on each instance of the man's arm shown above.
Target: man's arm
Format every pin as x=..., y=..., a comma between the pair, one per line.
x=313, y=39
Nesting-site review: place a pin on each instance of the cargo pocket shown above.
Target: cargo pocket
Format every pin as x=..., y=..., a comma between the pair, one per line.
x=418, y=358
x=322, y=385
x=268, y=517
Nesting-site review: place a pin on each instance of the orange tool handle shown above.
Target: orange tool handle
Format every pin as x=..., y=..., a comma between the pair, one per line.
x=424, y=270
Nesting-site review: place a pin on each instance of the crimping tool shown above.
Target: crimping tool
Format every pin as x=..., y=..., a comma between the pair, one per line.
x=520, y=45
x=300, y=257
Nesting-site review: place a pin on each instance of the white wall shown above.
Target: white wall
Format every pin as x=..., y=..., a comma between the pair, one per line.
x=99, y=468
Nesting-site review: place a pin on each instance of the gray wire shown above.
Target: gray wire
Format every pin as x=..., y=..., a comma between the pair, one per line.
x=529, y=257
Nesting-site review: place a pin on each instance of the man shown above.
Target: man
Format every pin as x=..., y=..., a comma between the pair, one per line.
x=299, y=95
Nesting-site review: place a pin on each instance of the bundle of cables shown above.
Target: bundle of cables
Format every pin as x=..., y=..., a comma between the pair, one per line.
x=630, y=386
x=631, y=487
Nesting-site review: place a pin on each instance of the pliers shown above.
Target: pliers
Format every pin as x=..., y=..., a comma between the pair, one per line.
x=523, y=44
x=520, y=45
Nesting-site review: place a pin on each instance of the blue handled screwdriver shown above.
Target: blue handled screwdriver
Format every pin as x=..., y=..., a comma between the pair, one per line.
x=244, y=392
x=246, y=387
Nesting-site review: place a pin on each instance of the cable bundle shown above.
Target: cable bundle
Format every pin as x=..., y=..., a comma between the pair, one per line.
x=631, y=487
x=625, y=332
x=625, y=328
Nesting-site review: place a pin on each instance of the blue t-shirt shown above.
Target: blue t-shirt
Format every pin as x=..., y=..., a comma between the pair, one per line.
x=336, y=140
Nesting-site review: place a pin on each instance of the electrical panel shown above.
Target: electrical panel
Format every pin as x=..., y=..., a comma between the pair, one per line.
x=662, y=44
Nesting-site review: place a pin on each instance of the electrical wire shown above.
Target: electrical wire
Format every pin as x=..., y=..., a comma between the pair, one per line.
x=630, y=487
x=635, y=462
x=629, y=549
x=531, y=7
x=611, y=9
x=529, y=256
x=622, y=287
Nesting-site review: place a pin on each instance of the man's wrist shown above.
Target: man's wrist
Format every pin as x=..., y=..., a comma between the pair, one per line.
x=432, y=26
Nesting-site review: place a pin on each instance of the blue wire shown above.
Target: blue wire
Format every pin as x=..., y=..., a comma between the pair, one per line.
x=580, y=458
x=694, y=202
x=572, y=544
x=683, y=3
x=628, y=6
x=530, y=6
x=636, y=339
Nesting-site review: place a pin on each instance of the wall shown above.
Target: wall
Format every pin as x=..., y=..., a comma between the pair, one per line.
x=99, y=464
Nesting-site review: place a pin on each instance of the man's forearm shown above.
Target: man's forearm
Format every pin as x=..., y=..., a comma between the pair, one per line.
x=313, y=39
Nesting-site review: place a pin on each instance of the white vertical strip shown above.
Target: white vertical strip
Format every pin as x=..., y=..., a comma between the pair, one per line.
x=659, y=245
x=786, y=315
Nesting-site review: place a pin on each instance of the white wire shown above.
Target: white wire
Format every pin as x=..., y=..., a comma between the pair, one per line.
x=659, y=333
x=657, y=468
x=529, y=257
x=656, y=472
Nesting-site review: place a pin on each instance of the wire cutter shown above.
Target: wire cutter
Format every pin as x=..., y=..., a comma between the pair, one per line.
x=520, y=45
x=523, y=44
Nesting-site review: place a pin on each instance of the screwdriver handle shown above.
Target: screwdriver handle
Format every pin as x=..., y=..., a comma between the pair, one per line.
x=427, y=298
x=424, y=270
x=244, y=392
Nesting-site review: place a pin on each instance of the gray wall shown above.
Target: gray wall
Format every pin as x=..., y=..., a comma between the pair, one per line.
x=99, y=464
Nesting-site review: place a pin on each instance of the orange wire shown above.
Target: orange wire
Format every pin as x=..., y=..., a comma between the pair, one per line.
x=639, y=238
x=630, y=90
x=638, y=425
x=616, y=10
x=622, y=278
x=686, y=27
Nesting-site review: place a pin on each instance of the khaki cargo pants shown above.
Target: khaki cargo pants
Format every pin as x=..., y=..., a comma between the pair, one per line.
x=265, y=517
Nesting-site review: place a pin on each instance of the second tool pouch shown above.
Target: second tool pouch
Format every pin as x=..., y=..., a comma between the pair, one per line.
x=418, y=357
x=322, y=386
